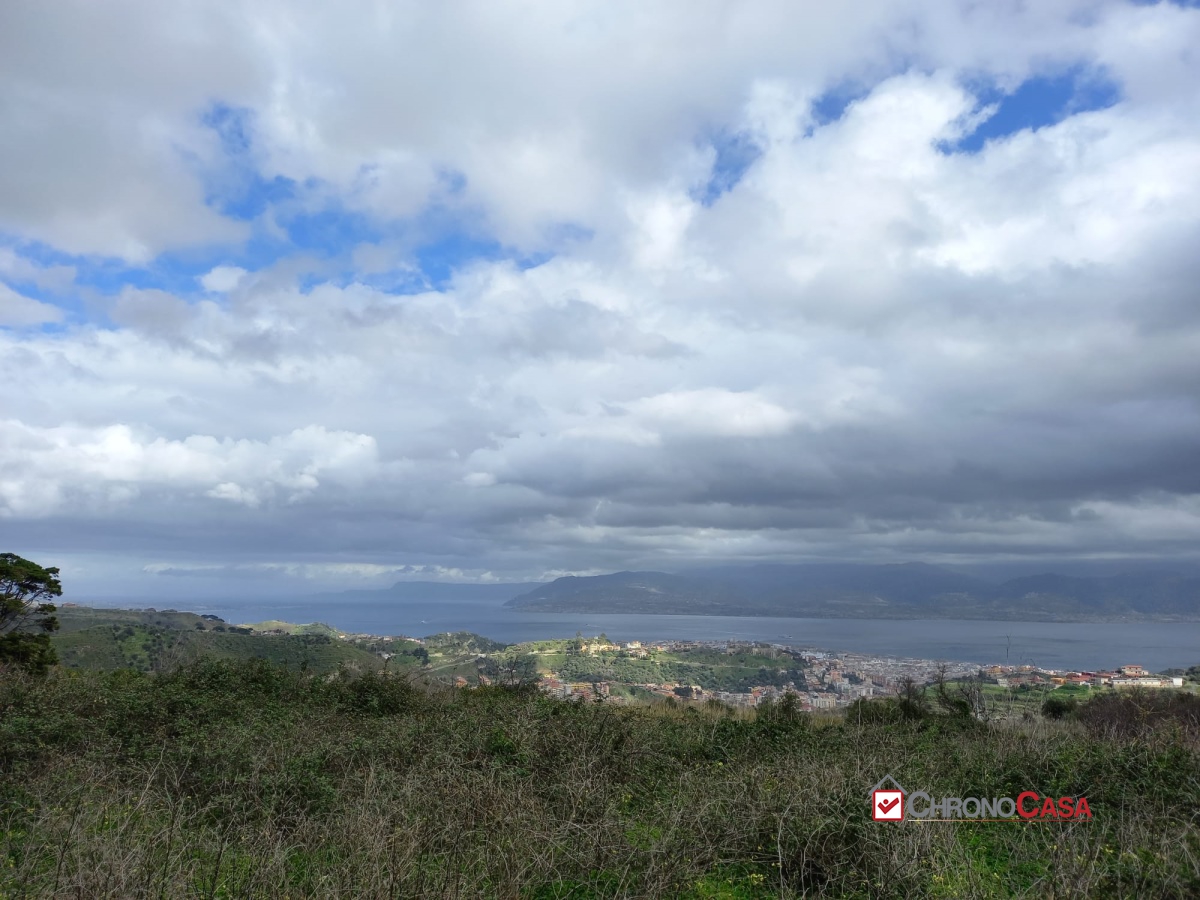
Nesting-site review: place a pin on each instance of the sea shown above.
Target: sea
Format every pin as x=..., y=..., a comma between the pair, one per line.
x=1051, y=645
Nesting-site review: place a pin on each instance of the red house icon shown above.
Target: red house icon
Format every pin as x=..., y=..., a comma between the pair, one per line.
x=887, y=803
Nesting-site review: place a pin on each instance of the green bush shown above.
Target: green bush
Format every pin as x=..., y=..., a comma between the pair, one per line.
x=374, y=693
x=1058, y=707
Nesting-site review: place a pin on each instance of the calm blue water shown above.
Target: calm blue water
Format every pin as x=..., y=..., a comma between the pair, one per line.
x=1054, y=645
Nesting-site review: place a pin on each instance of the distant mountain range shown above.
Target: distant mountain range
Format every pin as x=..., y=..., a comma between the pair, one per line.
x=903, y=591
x=436, y=592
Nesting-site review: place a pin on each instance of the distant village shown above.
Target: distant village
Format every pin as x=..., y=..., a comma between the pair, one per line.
x=835, y=680
x=829, y=680
x=1123, y=677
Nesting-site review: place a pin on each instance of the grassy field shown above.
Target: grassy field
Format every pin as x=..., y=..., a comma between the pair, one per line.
x=709, y=668
x=1019, y=702
x=246, y=779
x=293, y=628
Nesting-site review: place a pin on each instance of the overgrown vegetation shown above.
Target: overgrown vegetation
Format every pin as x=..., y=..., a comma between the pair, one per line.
x=243, y=779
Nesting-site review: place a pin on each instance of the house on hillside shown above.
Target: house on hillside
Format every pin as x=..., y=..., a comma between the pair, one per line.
x=1147, y=681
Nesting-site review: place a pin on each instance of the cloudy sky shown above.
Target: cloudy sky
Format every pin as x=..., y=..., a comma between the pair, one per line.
x=318, y=294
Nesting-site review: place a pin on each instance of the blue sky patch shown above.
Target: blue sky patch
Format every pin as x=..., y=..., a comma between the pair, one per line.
x=44, y=255
x=236, y=188
x=327, y=229
x=439, y=260
x=736, y=153
x=177, y=272
x=254, y=196
x=330, y=231
x=1036, y=103
x=832, y=105
x=289, y=218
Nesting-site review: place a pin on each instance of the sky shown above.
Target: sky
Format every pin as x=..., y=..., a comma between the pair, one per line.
x=309, y=296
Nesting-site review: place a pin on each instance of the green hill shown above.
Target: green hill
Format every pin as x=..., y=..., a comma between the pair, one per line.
x=155, y=649
x=156, y=640
x=150, y=640
x=77, y=618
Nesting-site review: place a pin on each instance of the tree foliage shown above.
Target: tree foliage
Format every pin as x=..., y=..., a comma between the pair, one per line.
x=26, y=613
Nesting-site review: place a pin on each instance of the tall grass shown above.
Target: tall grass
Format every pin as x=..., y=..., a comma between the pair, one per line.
x=243, y=780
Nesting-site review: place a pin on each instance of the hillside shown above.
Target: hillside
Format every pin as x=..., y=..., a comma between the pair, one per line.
x=72, y=617
x=149, y=640
x=156, y=640
x=154, y=649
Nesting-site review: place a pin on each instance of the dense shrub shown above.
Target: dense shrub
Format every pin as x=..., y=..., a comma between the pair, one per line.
x=1058, y=707
x=1136, y=713
x=373, y=693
